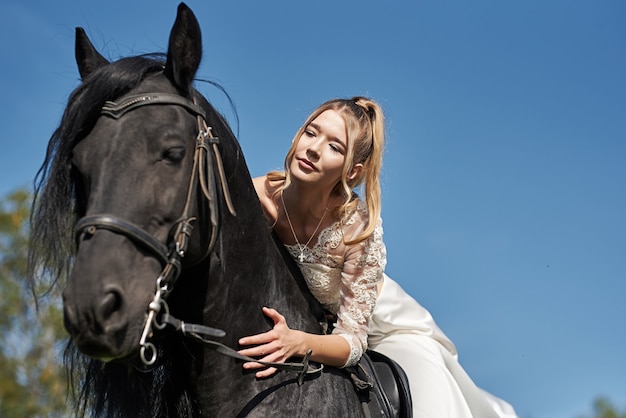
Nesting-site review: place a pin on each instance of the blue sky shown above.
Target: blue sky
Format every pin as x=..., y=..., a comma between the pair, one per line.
x=504, y=173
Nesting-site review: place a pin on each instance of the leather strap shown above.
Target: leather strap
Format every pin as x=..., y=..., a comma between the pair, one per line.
x=89, y=224
x=199, y=332
x=118, y=109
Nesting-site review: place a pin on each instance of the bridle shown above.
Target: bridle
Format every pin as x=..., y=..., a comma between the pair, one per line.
x=206, y=155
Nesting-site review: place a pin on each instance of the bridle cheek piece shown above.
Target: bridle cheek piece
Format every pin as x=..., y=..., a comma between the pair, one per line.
x=206, y=156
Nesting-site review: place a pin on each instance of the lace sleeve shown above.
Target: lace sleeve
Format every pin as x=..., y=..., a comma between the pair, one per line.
x=363, y=268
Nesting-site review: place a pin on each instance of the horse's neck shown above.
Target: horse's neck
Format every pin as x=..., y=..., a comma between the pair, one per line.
x=254, y=269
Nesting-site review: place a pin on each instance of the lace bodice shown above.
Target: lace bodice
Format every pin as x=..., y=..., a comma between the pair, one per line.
x=344, y=278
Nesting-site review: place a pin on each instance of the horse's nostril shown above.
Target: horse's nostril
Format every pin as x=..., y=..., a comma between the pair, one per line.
x=110, y=304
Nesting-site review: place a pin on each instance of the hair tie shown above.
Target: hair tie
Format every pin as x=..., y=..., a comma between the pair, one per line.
x=368, y=110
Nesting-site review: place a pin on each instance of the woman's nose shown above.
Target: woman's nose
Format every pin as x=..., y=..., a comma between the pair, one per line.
x=313, y=148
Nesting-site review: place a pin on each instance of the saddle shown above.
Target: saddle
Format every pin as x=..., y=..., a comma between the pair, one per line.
x=382, y=386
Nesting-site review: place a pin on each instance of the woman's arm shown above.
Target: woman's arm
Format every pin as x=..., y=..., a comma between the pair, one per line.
x=361, y=273
x=281, y=343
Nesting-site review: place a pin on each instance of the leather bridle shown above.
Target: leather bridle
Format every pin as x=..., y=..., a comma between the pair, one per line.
x=170, y=255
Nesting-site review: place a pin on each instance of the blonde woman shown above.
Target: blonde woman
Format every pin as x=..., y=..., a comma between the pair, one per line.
x=335, y=237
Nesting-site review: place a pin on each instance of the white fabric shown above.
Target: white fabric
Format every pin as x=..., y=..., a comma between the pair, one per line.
x=405, y=331
x=344, y=279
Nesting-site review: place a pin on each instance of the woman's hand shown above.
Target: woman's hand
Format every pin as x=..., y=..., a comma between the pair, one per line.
x=276, y=345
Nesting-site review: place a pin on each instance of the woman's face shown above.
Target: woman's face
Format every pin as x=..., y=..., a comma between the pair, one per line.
x=321, y=150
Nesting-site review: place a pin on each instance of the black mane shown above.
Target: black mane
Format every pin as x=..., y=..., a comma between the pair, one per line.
x=137, y=393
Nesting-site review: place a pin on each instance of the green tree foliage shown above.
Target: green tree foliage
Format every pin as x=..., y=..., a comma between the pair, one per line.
x=603, y=408
x=32, y=380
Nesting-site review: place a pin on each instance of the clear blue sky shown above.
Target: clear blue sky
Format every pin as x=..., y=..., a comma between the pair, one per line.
x=504, y=181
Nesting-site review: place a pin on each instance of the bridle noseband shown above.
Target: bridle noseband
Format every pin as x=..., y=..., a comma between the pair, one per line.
x=170, y=255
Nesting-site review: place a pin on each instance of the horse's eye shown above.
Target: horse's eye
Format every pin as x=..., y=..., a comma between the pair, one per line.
x=174, y=155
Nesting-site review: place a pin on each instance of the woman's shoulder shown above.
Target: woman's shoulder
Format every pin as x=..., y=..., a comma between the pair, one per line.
x=265, y=190
x=268, y=183
x=355, y=212
x=356, y=219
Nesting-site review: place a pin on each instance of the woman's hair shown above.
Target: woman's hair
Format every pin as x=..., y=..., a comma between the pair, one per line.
x=365, y=131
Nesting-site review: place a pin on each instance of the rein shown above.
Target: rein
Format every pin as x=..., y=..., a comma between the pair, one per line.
x=171, y=254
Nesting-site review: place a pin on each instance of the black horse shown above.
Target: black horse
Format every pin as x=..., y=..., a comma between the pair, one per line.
x=157, y=237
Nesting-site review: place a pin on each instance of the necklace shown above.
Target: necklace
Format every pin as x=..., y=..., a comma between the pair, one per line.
x=300, y=246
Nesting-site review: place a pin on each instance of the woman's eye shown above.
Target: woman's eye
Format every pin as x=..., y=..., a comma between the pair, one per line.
x=336, y=148
x=309, y=133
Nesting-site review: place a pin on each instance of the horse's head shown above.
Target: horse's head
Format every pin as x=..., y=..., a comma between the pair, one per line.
x=134, y=180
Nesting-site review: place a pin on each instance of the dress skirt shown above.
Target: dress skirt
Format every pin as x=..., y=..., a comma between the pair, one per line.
x=404, y=331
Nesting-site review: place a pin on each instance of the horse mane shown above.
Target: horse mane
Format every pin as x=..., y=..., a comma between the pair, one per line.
x=119, y=390
x=57, y=204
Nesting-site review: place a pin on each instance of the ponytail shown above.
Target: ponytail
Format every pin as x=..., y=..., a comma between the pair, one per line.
x=367, y=149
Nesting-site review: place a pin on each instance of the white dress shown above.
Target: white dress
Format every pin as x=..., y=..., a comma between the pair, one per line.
x=345, y=279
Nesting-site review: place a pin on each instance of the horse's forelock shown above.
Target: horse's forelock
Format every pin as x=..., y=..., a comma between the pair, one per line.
x=107, y=83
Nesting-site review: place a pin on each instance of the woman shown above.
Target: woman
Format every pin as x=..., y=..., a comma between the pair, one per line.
x=336, y=239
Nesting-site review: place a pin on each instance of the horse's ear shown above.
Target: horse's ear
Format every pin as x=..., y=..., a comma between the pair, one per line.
x=87, y=58
x=184, y=50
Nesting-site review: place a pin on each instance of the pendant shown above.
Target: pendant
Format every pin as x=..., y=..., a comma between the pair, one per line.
x=301, y=256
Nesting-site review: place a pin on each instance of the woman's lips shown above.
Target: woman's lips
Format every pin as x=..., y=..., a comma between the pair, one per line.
x=306, y=164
